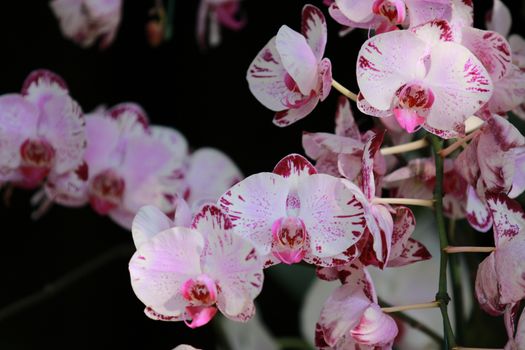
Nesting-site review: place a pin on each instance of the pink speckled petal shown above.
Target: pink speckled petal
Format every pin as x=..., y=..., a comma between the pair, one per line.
x=460, y=84
x=161, y=265
x=508, y=216
x=386, y=62
x=313, y=27
x=232, y=261
x=487, y=287
x=420, y=12
x=254, y=204
x=290, y=116
x=332, y=211
x=345, y=124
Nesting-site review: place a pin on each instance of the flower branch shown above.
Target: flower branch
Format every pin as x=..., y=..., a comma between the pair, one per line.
x=344, y=90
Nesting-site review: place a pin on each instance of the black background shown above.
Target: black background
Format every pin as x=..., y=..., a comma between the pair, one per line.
x=203, y=94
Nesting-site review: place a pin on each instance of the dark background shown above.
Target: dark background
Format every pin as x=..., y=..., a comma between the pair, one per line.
x=201, y=93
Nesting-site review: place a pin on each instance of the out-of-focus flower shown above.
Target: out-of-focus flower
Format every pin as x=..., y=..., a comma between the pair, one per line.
x=290, y=75
x=212, y=14
x=252, y=335
x=341, y=153
x=423, y=78
x=493, y=161
x=417, y=179
x=127, y=164
x=295, y=214
x=86, y=21
x=41, y=131
x=185, y=347
x=186, y=274
x=516, y=336
x=351, y=317
x=501, y=276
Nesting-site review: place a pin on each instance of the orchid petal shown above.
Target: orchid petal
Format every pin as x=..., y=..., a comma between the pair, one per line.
x=386, y=62
x=147, y=223
x=499, y=18
x=375, y=328
x=508, y=216
x=478, y=214
x=297, y=58
x=254, y=204
x=313, y=27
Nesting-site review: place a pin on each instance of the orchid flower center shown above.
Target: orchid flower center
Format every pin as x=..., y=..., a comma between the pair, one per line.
x=37, y=159
x=389, y=10
x=201, y=291
x=107, y=189
x=289, y=239
x=412, y=106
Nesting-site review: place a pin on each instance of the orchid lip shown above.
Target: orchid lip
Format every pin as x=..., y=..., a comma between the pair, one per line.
x=200, y=291
x=289, y=239
x=107, y=190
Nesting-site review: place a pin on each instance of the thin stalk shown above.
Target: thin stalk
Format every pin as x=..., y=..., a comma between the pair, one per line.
x=460, y=142
x=392, y=309
x=457, y=288
x=405, y=147
x=455, y=250
x=54, y=288
x=344, y=90
x=415, y=324
x=168, y=33
x=405, y=201
x=442, y=295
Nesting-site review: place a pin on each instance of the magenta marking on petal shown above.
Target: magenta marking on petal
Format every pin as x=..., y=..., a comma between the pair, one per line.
x=155, y=315
x=42, y=76
x=199, y=315
x=294, y=164
x=365, y=64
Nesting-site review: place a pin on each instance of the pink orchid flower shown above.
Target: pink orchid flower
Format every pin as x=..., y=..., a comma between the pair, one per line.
x=295, y=214
x=388, y=15
x=210, y=174
x=290, y=75
x=341, y=153
x=352, y=319
x=85, y=21
x=417, y=179
x=500, y=277
x=128, y=164
x=423, y=78
x=187, y=274
x=41, y=131
x=493, y=161
x=212, y=14
x=499, y=19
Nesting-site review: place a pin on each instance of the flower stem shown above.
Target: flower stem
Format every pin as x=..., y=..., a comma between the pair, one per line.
x=415, y=324
x=457, y=288
x=344, y=90
x=405, y=201
x=442, y=295
x=405, y=147
x=392, y=309
x=463, y=348
x=292, y=343
x=454, y=250
x=54, y=288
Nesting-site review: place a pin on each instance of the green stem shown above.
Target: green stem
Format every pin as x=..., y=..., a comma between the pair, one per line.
x=442, y=295
x=170, y=13
x=457, y=289
x=414, y=323
x=52, y=289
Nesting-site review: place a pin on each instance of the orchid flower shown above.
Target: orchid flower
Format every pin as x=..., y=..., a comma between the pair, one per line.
x=215, y=13
x=290, y=75
x=340, y=153
x=41, y=131
x=85, y=21
x=387, y=15
x=417, y=178
x=187, y=274
x=500, y=277
x=493, y=161
x=295, y=214
x=423, y=78
x=352, y=319
x=128, y=164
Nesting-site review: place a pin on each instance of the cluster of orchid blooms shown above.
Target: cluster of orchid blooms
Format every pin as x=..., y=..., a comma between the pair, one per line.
x=204, y=235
